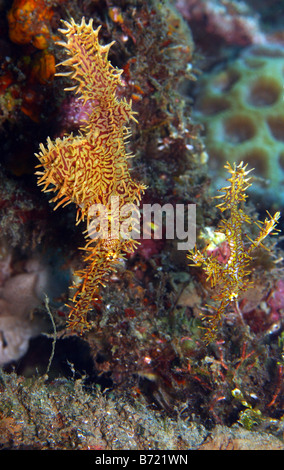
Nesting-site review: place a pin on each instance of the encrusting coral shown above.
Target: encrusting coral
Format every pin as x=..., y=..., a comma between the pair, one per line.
x=232, y=277
x=241, y=107
x=91, y=169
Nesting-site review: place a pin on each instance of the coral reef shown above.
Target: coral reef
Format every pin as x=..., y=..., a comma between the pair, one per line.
x=144, y=376
x=95, y=422
x=239, y=439
x=241, y=107
x=36, y=415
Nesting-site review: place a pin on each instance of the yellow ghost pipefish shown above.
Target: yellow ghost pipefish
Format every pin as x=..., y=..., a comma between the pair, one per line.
x=91, y=168
x=230, y=278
